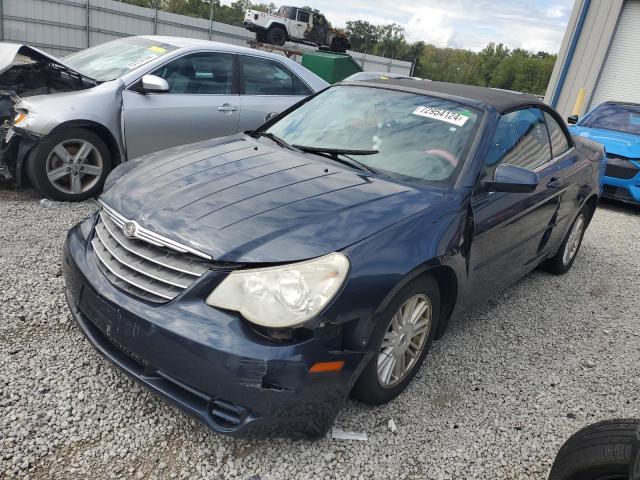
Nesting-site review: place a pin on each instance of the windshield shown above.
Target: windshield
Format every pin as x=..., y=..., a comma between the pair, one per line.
x=113, y=59
x=619, y=118
x=400, y=134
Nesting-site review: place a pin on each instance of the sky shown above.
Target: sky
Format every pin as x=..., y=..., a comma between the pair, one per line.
x=533, y=25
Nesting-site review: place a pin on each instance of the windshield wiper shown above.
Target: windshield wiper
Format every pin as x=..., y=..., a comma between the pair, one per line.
x=334, y=154
x=273, y=138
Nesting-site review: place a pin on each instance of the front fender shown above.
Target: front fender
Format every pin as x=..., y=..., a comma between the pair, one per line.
x=383, y=264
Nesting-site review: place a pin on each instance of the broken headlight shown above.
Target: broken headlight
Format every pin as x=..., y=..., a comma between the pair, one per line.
x=21, y=117
x=282, y=296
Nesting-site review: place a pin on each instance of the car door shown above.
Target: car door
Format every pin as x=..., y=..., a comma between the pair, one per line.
x=298, y=27
x=511, y=229
x=266, y=86
x=319, y=29
x=202, y=102
x=566, y=173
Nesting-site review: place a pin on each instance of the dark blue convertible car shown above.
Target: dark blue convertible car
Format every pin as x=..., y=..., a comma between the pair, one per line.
x=259, y=280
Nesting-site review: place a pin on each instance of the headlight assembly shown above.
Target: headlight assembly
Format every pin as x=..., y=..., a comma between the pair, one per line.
x=20, y=117
x=282, y=296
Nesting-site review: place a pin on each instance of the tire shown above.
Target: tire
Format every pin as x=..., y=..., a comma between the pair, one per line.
x=276, y=36
x=563, y=260
x=85, y=150
x=340, y=45
x=602, y=451
x=370, y=388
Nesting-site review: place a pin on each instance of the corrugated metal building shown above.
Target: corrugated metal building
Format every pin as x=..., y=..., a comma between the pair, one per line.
x=599, y=58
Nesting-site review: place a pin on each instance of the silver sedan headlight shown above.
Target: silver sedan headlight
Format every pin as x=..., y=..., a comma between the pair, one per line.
x=283, y=296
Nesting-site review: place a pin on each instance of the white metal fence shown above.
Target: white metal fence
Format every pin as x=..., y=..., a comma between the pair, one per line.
x=65, y=26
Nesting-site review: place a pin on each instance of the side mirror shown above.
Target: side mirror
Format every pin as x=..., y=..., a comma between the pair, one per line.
x=572, y=120
x=270, y=116
x=509, y=178
x=154, y=84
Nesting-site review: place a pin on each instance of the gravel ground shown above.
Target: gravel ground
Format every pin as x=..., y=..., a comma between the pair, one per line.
x=497, y=396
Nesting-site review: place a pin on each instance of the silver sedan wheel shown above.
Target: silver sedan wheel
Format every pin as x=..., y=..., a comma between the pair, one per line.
x=404, y=340
x=74, y=166
x=574, y=239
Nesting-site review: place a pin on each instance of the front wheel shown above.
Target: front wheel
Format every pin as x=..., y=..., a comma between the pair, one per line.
x=602, y=451
x=400, y=341
x=70, y=165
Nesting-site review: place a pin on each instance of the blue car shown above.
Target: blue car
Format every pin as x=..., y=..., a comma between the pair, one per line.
x=616, y=125
x=258, y=280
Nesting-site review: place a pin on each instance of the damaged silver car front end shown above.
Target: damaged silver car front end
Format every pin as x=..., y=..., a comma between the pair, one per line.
x=27, y=72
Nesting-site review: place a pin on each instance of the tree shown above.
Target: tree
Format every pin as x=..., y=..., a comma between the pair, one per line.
x=264, y=7
x=415, y=51
x=392, y=40
x=363, y=35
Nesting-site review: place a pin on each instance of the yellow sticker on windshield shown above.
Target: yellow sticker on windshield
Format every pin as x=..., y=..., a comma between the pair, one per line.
x=442, y=115
x=157, y=49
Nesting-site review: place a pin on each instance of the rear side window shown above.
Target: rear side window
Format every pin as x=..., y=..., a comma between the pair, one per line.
x=521, y=139
x=261, y=76
x=559, y=140
x=303, y=16
x=199, y=74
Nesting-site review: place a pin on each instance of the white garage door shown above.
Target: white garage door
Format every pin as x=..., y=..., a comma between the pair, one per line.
x=620, y=78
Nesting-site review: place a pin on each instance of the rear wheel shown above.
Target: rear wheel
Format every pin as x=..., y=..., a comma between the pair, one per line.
x=70, y=165
x=401, y=342
x=602, y=451
x=340, y=45
x=563, y=260
x=276, y=36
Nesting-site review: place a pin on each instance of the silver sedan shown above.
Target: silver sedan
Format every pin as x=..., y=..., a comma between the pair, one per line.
x=67, y=122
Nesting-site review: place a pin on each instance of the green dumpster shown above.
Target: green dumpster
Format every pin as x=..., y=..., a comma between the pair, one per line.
x=330, y=66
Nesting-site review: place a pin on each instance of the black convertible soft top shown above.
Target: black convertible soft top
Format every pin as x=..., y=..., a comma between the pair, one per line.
x=501, y=100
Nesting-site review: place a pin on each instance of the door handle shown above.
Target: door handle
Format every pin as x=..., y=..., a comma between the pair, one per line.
x=227, y=108
x=554, y=182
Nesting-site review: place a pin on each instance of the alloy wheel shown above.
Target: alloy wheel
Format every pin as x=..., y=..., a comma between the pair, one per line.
x=404, y=340
x=574, y=239
x=74, y=166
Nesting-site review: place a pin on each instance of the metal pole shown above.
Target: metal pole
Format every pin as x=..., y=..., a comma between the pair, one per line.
x=211, y=21
x=155, y=23
x=88, y=23
x=1, y=20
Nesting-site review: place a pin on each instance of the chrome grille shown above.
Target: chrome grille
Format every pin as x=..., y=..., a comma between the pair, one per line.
x=147, y=270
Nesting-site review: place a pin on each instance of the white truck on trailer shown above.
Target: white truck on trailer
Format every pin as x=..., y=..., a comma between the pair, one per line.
x=295, y=24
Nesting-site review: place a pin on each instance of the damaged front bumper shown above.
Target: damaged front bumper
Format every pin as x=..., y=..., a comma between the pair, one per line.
x=208, y=362
x=15, y=147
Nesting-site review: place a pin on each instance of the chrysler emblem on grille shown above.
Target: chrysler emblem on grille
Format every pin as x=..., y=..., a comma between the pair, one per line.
x=129, y=229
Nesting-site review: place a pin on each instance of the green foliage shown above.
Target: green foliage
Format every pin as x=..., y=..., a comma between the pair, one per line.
x=231, y=14
x=363, y=35
x=264, y=7
x=493, y=66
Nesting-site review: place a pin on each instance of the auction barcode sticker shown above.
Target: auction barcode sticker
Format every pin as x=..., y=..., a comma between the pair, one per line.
x=442, y=115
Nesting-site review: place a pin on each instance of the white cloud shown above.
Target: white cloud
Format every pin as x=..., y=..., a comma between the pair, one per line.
x=432, y=26
x=556, y=12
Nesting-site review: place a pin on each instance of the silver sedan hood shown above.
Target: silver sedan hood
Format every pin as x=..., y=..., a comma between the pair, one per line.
x=9, y=52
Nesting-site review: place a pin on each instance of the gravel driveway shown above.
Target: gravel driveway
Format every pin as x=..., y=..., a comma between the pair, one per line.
x=495, y=399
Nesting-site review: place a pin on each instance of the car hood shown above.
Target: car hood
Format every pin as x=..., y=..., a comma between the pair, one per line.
x=9, y=52
x=26, y=71
x=241, y=200
x=618, y=143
